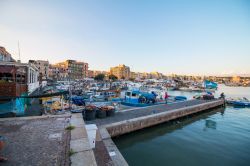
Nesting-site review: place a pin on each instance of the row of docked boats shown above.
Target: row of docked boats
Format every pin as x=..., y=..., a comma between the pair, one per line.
x=238, y=102
x=205, y=86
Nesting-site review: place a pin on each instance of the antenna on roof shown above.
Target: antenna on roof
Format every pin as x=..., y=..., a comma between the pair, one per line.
x=19, y=52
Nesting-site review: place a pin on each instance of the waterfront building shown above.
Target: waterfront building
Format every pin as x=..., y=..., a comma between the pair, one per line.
x=121, y=71
x=140, y=75
x=236, y=79
x=58, y=72
x=91, y=74
x=156, y=75
x=85, y=70
x=18, y=79
x=133, y=75
x=70, y=70
x=5, y=56
x=96, y=72
x=43, y=67
x=146, y=75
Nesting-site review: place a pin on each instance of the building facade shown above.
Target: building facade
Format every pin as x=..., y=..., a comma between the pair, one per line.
x=85, y=70
x=156, y=75
x=18, y=79
x=43, y=67
x=91, y=74
x=5, y=56
x=121, y=71
x=69, y=70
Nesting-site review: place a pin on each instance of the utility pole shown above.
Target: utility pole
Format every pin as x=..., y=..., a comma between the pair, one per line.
x=19, y=51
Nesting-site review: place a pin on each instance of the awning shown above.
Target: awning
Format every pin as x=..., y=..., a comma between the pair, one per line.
x=7, y=69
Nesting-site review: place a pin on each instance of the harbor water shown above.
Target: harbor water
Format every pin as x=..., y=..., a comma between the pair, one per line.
x=216, y=137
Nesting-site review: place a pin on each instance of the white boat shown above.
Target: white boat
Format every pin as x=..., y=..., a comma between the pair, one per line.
x=186, y=89
x=196, y=89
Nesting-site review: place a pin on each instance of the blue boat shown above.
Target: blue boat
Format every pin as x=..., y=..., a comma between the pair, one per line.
x=242, y=103
x=180, y=98
x=139, y=99
x=78, y=100
x=209, y=85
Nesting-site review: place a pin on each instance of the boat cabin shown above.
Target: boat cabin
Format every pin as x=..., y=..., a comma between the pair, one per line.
x=139, y=97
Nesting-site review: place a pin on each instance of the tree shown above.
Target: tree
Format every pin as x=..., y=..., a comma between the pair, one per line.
x=112, y=77
x=99, y=77
x=132, y=79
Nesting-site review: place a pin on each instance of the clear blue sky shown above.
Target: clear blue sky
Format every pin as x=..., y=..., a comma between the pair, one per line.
x=177, y=36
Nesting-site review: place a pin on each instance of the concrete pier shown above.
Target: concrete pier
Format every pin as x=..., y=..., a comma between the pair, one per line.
x=133, y=113
x=132, y=120
x=126, y=126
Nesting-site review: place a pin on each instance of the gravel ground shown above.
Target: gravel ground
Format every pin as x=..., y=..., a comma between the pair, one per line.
x=36, y=142
x=120, y=116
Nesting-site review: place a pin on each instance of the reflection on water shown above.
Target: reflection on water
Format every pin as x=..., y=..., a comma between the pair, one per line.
x=217, y=137
x=161, y=129
x=210, y=124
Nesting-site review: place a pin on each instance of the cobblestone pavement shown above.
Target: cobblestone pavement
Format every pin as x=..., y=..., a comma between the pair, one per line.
x=120, y=116
x=35, y=141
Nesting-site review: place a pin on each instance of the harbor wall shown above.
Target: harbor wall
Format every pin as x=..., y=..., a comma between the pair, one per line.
x=127, y=126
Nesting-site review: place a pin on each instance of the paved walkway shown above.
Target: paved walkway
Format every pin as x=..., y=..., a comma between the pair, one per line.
x=36, y=141
x=82, y=153
x=143, y=111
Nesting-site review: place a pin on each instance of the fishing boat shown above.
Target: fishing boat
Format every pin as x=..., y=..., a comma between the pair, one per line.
x=180, y=98
x=242, y=103
x=210, y=86
x=195, y=88
x=233, y=100
x=185, y=89
x=139, y=99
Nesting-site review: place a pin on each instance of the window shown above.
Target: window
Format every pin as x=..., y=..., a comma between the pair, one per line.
x=128, y=93
x=30, y=77
x=133, y=94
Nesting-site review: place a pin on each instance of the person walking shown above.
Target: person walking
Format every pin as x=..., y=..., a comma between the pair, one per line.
x=166, y=97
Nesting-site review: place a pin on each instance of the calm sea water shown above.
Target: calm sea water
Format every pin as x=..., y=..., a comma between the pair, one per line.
x=218, y=137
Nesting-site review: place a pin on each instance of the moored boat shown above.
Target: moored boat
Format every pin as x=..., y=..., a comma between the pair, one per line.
x=237, y=101
x=242, y=103
x=139, y=99
x=180, y=98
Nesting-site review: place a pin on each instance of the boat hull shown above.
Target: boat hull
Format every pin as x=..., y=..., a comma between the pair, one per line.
x=241, y=104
